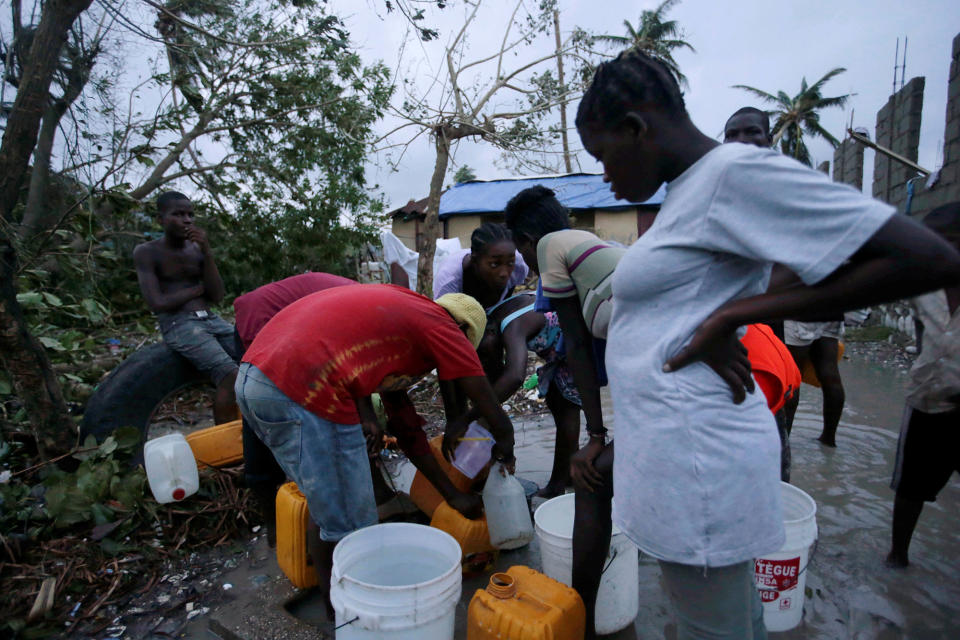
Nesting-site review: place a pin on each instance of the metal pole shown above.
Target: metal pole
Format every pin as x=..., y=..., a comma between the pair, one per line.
x=563, y=103
x=896, y=62
x=887, y=152
x=903, y=67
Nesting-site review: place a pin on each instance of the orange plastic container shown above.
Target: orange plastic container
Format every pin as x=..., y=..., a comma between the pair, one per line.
x=293, y=516
x=473, y=535
x=218, y=446
x=423, y=494
x=523, y=604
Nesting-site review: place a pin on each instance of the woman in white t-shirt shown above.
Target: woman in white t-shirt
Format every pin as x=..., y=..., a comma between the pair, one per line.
x=696, y=476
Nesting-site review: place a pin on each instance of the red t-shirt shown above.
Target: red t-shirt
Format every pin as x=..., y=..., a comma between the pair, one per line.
x=773, y=366
x=330, y=347
x=253, y=310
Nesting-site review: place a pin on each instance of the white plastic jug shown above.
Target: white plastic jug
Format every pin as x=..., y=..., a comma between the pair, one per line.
x=505, y=503
x=396, y=581
x=171, y=468
x=474, y=451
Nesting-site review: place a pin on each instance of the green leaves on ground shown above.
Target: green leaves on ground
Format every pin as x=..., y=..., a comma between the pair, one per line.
x=103, y=489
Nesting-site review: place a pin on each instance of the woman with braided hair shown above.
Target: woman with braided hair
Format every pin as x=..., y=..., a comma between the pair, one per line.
x=488, y=271
x=696, y=476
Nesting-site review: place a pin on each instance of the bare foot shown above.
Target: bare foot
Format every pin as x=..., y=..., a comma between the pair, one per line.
x=897, y=560
x=828, y=442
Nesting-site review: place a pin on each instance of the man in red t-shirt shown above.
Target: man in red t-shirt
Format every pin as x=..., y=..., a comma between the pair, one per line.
x=262, y=475
x=306, y=380
x=255, y=309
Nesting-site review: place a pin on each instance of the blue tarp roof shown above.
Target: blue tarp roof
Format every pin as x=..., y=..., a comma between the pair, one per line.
x=574, y=191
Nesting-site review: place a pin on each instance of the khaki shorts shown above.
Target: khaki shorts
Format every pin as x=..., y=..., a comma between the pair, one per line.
x=802, y=334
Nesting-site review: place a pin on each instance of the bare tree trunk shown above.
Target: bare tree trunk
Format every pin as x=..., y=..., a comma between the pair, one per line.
x=20, y=353
x=431, y=226
x=40, y=214
x=563, y=103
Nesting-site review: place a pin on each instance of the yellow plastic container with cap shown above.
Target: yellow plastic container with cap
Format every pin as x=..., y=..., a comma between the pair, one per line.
x=293, y=516
x=424, y=495
x=218, y=446
x=523, y=604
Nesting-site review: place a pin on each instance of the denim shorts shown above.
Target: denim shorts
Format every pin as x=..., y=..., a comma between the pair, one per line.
x=207, y=342
x=716, y=602
x=327, y=460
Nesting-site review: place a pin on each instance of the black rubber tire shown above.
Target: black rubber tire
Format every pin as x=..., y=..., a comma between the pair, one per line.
x=130, y=395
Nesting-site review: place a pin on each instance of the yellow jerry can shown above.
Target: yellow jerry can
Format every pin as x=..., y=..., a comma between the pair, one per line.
x=423, y=494
x=293, y=516
x=523, y=604
x=218, y=446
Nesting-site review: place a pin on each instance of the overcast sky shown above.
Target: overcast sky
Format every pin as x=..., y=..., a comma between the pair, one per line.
x=769, y=45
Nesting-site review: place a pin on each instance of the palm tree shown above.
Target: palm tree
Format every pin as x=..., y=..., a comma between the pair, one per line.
x=653, y=36
x=798, y=115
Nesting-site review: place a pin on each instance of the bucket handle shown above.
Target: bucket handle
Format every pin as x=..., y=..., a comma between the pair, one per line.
x=613, y=557
x=813, y=552
x=346, y=623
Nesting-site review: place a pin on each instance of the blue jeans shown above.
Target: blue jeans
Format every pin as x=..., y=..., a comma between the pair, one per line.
x=716, y=602
x=327, y=460
x=207, y=342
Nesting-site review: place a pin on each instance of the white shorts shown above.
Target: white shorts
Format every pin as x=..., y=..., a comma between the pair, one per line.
x=802, y=334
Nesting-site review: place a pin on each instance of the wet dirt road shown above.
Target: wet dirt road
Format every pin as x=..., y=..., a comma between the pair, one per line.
x=852, y=593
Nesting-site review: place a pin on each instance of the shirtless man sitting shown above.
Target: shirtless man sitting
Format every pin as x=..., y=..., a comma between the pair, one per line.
x=179, y=280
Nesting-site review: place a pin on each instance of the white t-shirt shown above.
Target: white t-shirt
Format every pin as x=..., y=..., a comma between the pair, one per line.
x=935, y=375
x=697, y=477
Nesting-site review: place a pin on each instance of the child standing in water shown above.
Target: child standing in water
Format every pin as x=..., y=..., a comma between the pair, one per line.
x=696, y=476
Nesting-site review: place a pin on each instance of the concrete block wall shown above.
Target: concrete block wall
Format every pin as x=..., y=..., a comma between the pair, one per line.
x=848, y=163
x=898, y=129
x=899, y=316
x=947, y=188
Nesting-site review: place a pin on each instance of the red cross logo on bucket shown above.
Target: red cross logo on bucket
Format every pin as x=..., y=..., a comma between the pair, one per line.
x=774, y=576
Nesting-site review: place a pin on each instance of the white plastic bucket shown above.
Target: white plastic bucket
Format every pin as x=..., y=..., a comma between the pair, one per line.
x=781, y=576
x=396, y=581
x=171, y=468
x=618, y=600
x=473, y=453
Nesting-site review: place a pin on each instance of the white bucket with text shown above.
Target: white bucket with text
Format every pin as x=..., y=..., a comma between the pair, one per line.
x=781, y=576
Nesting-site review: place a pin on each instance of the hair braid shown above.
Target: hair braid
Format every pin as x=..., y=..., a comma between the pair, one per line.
x=631, y=79
x=487, y=234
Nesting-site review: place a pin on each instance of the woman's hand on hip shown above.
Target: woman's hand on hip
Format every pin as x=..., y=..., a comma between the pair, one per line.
x=716, y=344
